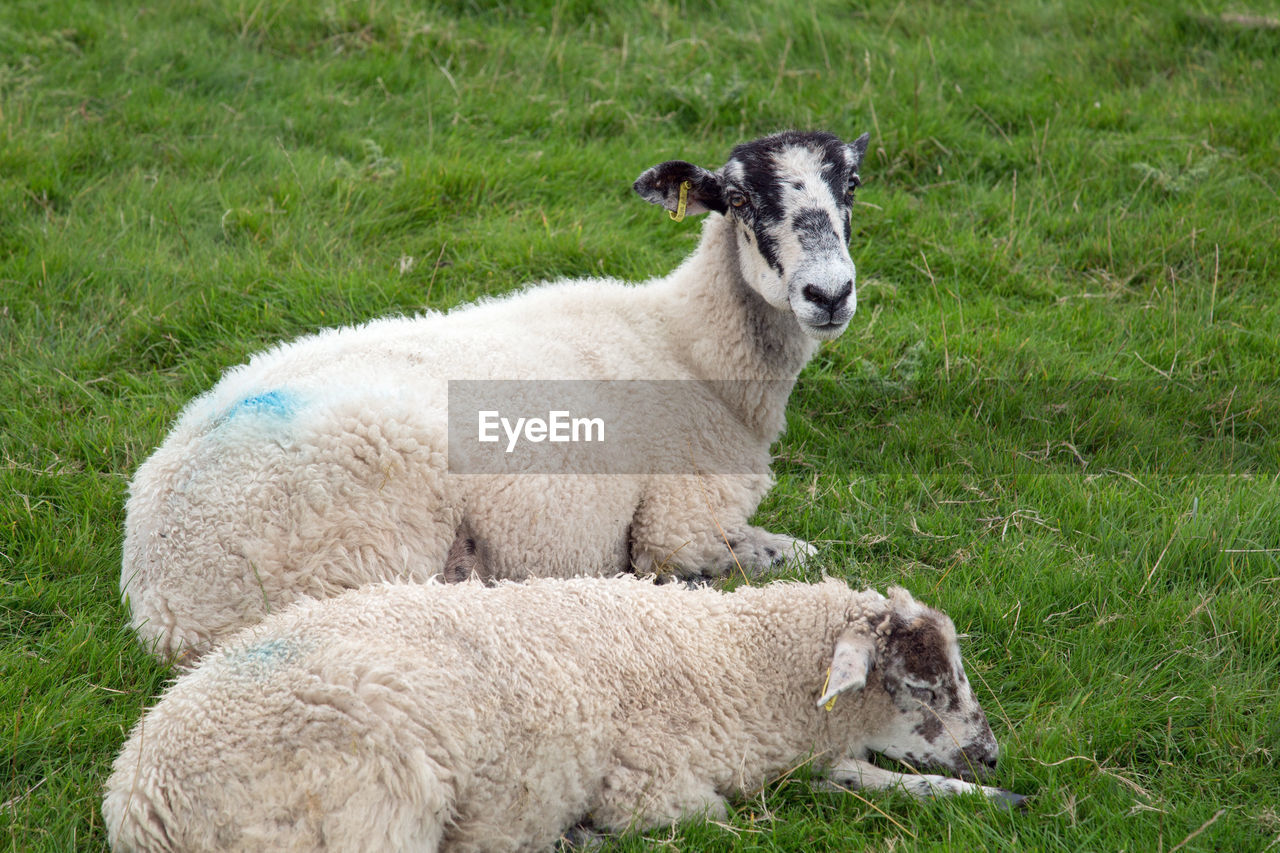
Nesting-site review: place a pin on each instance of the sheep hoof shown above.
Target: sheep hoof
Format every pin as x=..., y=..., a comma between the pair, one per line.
x=1008, y=800
x=776, y=551
x=759, y=550
x=580, y=837
x=463, y=560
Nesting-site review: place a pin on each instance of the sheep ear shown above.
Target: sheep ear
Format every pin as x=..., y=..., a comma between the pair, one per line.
x=661, y=185
x=854, y=657
x=858, y=150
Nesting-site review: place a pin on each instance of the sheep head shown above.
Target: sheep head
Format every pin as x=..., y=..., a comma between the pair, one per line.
x=918, y=706
x=788, y=198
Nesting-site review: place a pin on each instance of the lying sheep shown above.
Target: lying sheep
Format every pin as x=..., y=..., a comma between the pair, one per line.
x=325, y=463
x=465, y=717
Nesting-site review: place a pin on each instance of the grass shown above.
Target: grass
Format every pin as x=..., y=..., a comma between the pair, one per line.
x=1056, y=413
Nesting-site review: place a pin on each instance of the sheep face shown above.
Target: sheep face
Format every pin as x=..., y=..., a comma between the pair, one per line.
x=938, y=721
x=788, y=197
x=919, y=702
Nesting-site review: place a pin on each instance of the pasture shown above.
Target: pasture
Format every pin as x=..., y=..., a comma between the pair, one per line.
x=1055, y=415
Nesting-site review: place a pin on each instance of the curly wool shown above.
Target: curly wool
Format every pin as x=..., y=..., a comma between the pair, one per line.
x=411, y=717
x=323, y=464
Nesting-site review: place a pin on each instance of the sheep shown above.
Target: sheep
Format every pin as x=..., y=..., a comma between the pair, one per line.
x=412, y=716
x=328, y=462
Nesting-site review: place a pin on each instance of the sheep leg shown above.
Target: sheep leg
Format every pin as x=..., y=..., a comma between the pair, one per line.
x=637, y=800
x=582, y=836
x=758, y=548
x=463, y=561
x=698, y=526
x=854, y=773
x=716, y=554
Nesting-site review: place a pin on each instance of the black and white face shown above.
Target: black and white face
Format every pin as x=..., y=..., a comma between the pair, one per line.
x=937, y=721
x=788, y=198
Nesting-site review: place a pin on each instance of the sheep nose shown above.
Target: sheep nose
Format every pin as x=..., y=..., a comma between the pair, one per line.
x=981, y=758
x=831, y=303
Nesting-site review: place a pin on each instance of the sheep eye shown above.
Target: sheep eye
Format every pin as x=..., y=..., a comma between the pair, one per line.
x=854, y=183
x=922, y=694
x=737, y=199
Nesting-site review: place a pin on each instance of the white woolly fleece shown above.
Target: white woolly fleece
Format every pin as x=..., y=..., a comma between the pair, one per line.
x=322, y=465
x=464, y=717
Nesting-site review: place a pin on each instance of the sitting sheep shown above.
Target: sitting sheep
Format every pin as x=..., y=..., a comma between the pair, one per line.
x=326, y=463
x=465, y=717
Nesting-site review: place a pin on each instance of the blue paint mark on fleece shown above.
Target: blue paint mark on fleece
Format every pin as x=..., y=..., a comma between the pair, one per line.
x=278, y=404
x=262, y=658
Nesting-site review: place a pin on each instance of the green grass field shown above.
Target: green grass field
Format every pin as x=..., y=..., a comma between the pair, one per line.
x=1055, y=415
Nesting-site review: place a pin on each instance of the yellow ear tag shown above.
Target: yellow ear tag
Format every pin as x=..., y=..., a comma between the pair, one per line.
x=678, y=214
x=832, y=703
